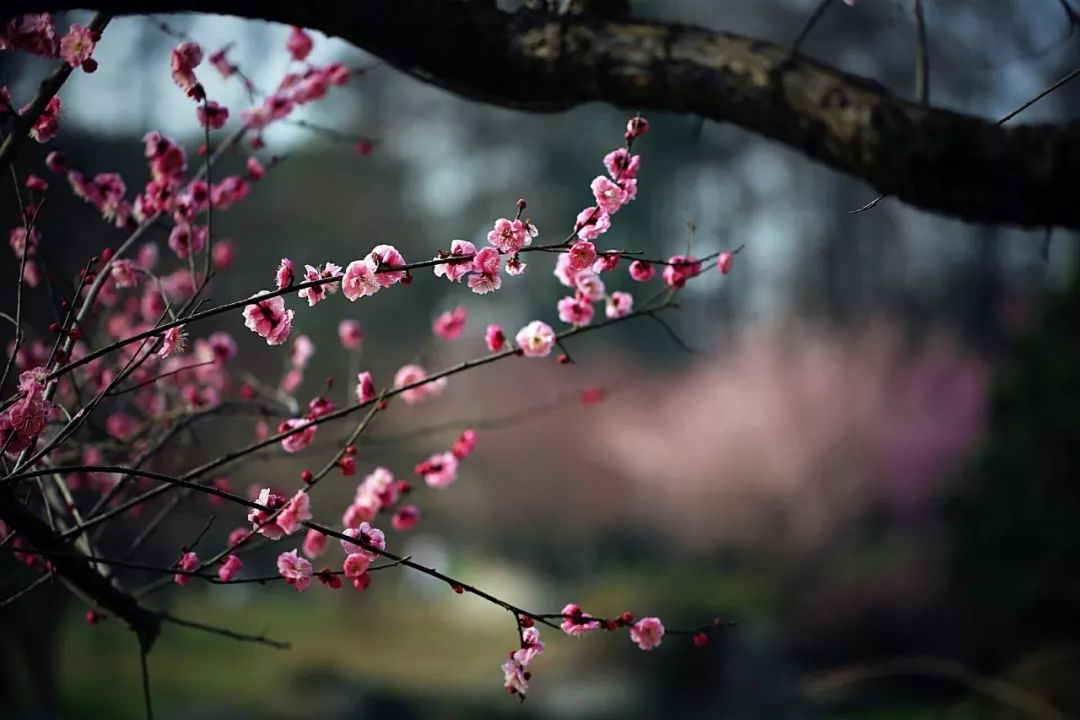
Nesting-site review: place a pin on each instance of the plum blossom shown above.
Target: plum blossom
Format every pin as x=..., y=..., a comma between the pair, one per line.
x=485, y=268
x=582, y=255
x=723, y=263
x=212, y=114
x=185, y=58
x=648, y=633
x=188, y=563
x=439, y=470
x=77, y=45
x=299, y=44
x=575, y=622
x=316, y=293
x=514, y=678
x=514, y=266
x=606, y=262
x=32, y=33
x=173, y=341
x=298, y=440
x=450, y=324
x=410, y=374
x=406, y=518
x=680, y=268
x=384, y=256
x=576, y=310
x=455, y=270
x=124, y=274
x=464, y=445
x=642, y=270
x=619, y=304
x=636, y=127
x=365, y=387
x=609, y=195
x=622, y=165
x=24, y=420
x=360, y=280
x=355, y=565
x=268, y=318
x=350, y=334
x=314, y=544
x=494, y=338
x=284, y=276
x=185, y=240
x=230, y=568
x=368, y=535
x=260, y=519
x=295, y=569
x=536, y=339
x=296, y=511
x=47, y=125
x=531, y=646
x=591, y=223
x=589, y=285
x=509, y=236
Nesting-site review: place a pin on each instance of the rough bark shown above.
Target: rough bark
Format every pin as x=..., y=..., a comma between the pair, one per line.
x=934, y=159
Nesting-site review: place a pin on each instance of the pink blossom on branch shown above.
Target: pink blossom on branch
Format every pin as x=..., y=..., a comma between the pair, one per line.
x=371, y=541
x=455, y=270
x=295, y=569
x=212, y=114
x=77, y=46
x=536, y=339
x=680, y=269
x=365, y=387
x=485, y=269
x=494, y=338
x=359, y=280
x=230, y=568
x=439, y=470
x=188, y=563
x=317, y=293
x=648, y=633
x=575, y=622
x=299, y=44
x=412, y=374
x=350, y=334
x=268, y=318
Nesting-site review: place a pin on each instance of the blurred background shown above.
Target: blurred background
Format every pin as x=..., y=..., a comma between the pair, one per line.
x=866, y=458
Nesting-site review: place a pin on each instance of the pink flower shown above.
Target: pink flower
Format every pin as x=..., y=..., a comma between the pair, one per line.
x=359, y=512
x=414, y=375
x=184, y=59
x=56, y=162
x=229, y=568
x=606, y=262
x=302, y=351
x=485, y=268
x=439, y=470
x=385, y=256
x=260, y=519
x=32, y=33
x=509, y=235
x=449, y=325
x=355, y=565
x=77, y=45
x=221, y=63
x=609, y=196
x=576, y=310
x=405, y=518
x=494, y=338
x=723, y=263
x=368, y=536
x=648, y=633
x=360, y=280
x=514, y=266
x=582, y=255
x=255, y=169
x=173, y=341
x=212, y=114
x=365, y=387
x=188, y=563
x=298, y=440
x=299, y=44
x=185, y=240
x=680, y=269
x=296, y=511
x=592, y=223
x=124, y=274
x=455, y=270
x=621, y=165
x=619, y=304
x=295, y=569
x=514, y=678
x=636, y=127
x=314, y=544
x=531, y=646
x=316, y=293
x=350, y=334
x=575, y=622
x=268, y=318
x=642, y=270
x=47, y=125
x=589, y=285
x=284, y=276
x=536, y=339
x=464, y=445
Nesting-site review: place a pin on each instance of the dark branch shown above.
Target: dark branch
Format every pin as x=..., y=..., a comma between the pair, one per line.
x=938, y=160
